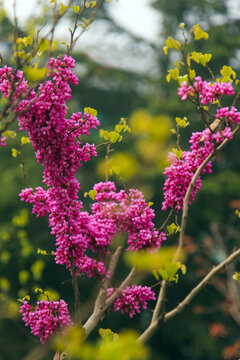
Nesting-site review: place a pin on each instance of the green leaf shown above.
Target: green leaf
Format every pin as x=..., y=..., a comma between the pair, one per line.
x=177, y=152
x=165, y=50
x=236, y=276
x=107, y=335
x=92, y=194
x=27, y=297
x=10, y=133
x=173, y=74
x=118, y=128
x=63, y=8
x=76, y=9
x=27, y=40
x=171, y=43
x=200, y=58
x=42, y=252
x=105, y=134
x=172, y=229
x=182, y=123
x=113, y=136
x=226, y=73
x=181, y=79
x=35, y=74
x=192, y=74
x=199, y=33
x=90, y=111
x=25, y=140
x=14, y=152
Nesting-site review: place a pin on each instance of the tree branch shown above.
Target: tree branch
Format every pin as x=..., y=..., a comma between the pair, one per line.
x=76, y=294
x=201, y=285
x=102, y=295
x=181, y=306
x=96, y=316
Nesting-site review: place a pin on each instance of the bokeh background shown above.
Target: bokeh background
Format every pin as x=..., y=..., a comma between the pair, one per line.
x=122, y=73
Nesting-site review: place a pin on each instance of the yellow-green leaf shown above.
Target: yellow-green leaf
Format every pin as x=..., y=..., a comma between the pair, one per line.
x=105, y=134
x=200, y=58
x=118, y=128
x=90, y=111
x=171, y=43
x=63, y=8
x=236, y=276
x=35, y=74
x=181, y=79
x=25, y=140
x=165, y=50
x=226, y=73
x=113, y=136
x=19, y=41
x=182, y=122
x=199, y=33
x=192, y=74
x=177, y=152
x=76, y=9
x=42, y=252
x=10, y=133
x=92, y=194
x=14, y=152
x=172, y=229
x=173, y=74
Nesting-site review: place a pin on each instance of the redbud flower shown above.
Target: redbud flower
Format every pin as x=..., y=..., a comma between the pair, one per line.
x=45, y=318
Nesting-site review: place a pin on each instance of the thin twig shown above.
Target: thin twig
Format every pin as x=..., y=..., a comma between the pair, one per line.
x=201, y=285
x=167, y=220
x=72, y=32
x=89, y=21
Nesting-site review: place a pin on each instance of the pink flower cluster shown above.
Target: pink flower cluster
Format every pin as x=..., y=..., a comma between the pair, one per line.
x=7, y=78
x=45, y=318
x=80, y=236
x=181, y=171
x=131, y=299
x=208, y=92
x=58, y=146
x=127, y=212
x=230, y=115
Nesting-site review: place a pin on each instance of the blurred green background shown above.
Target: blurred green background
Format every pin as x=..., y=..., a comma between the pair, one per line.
x=150, y=104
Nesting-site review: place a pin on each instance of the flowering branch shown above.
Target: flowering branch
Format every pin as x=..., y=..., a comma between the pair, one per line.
x=93, y=320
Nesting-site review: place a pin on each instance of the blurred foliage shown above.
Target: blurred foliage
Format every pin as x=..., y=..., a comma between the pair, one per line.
x=109, y=346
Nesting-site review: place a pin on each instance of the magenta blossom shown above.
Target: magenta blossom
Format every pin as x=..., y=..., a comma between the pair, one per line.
x=45, y=318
